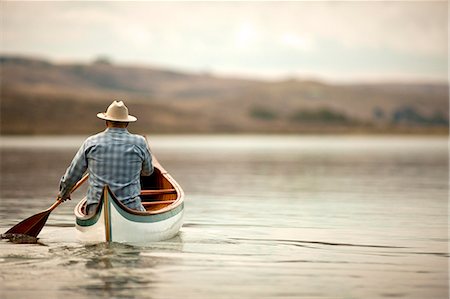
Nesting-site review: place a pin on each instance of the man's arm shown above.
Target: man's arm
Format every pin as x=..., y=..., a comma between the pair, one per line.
x=73, y=173
x=147, y=165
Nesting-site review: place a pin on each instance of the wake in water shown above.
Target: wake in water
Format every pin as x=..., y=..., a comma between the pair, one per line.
x=299, y=242
x=20, y=238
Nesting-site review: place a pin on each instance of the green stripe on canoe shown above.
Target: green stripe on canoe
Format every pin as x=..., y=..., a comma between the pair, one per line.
x=148, y=218
x=132, y=217
x=90, y=221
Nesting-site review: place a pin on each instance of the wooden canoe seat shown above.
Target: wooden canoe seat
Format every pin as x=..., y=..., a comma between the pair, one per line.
x=158, y=192
x=149, y=203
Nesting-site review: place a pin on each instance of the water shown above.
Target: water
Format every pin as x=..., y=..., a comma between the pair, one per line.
x=266, y=217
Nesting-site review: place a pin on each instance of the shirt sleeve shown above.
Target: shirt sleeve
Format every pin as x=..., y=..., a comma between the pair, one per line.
x=147, y=165
x=74, y=172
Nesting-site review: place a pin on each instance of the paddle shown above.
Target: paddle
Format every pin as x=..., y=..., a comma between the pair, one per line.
x=33, y=225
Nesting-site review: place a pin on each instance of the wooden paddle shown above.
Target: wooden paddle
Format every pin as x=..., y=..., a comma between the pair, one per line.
x=33, y=225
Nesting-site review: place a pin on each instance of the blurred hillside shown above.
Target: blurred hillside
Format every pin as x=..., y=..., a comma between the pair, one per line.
x=41, y=97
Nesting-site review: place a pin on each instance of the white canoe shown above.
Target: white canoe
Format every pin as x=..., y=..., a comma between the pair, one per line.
x=163, y=199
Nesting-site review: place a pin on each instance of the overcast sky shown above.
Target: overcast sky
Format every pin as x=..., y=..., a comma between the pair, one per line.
x=336, y=41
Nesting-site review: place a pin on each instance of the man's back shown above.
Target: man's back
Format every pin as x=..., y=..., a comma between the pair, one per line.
x=116, y=158
x=113, y=157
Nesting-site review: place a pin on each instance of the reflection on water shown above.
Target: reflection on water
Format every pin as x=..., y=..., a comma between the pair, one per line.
x=106, y=269
x=266, y=217
x=113, y=270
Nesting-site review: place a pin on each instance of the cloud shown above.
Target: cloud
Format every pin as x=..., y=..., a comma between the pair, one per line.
x=295, y=41
x=285, y=37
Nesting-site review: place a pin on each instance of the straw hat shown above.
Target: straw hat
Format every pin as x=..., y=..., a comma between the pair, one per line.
x=117, y=111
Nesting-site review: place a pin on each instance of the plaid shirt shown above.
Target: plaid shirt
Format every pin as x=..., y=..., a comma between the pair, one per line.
x=113, y=157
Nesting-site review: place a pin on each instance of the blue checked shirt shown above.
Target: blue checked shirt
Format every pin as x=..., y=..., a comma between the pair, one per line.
x=113, y=157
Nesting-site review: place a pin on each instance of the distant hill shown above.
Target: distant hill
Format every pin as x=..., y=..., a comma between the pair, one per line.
x=41, y=97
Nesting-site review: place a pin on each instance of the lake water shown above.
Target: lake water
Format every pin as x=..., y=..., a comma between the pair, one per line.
x=266, y=217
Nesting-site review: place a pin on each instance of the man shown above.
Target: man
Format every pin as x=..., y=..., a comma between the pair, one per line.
x=113, y=157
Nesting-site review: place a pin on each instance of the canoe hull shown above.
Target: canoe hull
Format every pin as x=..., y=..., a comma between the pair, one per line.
x=114, y=222
x=130, y=228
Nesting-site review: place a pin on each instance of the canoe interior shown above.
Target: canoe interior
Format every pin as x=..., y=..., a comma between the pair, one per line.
x=157, y=181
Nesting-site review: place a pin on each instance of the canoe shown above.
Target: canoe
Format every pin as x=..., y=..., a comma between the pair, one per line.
x=163, y=200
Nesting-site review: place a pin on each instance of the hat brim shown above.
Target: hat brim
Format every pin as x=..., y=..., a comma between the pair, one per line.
x=129, y=119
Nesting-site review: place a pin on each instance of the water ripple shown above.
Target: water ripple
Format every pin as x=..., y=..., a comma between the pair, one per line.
x=300, y=242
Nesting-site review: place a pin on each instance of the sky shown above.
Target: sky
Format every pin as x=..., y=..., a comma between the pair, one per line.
x=337, y=41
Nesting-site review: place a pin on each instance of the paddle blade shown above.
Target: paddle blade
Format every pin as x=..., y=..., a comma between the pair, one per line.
x=31, y=226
